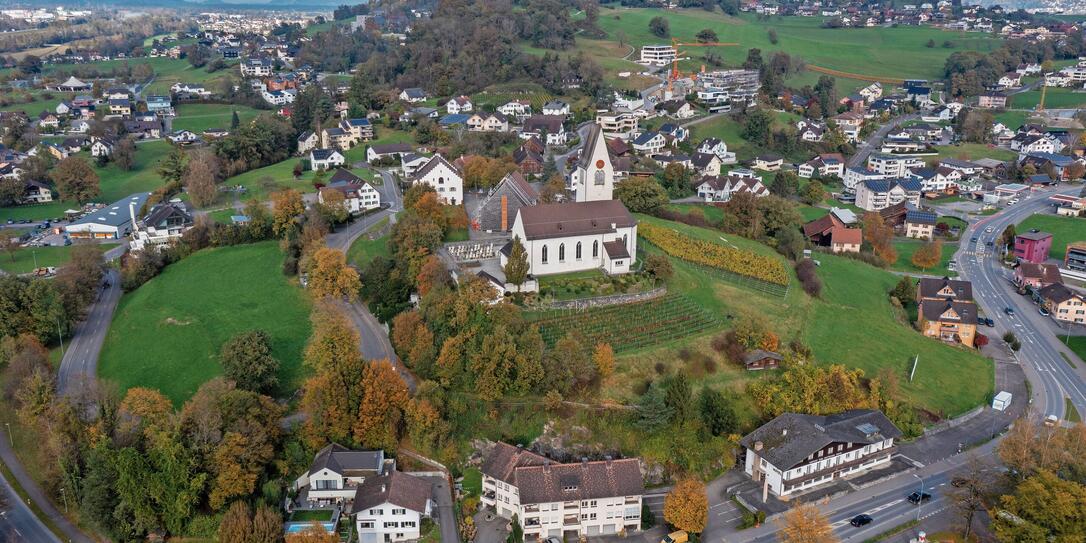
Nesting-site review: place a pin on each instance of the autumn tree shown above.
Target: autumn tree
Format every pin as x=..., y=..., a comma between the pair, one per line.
x=333, y=206
x=200, y=178
x=236, y=524
x=287, y=209
x=1046, y=507
x=331, y=277
x=384, y=401
x=516, y=268
x=881, y=236
x=604, y=357
x=267, y=525
x=813, y=193
x=247, y=360
x=641, y=194
x=804, y=523
x=10, y=243
x=928, y=255
x=686, y=507
x=332, y=396
x=124, y=153
x=968, y=493
x=75, y=179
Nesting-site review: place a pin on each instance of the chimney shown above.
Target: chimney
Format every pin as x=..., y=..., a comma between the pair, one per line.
x=132, y=214
x=505, y=212
x=784, y=432
x=383, y=487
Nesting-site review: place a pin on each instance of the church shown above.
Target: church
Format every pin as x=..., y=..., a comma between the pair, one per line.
x=594, y=231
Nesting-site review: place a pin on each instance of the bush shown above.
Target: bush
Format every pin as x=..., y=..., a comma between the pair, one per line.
x=1016, y=345
x=1009, y=337
x=648, y=519
x=805, y=270
x=660, y=368
x=720, y=343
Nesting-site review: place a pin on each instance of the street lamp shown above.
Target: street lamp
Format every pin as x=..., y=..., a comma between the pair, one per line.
x=10, y=439
x=920, y=497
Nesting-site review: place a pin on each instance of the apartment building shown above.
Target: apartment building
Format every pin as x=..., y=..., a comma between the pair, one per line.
x=880, y=194
x=657, y=55
x=617, y=124
x=586, y=498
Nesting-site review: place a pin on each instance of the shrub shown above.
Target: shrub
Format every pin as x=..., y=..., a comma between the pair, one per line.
x=720, y=342
x=660, y=368
x=805, y=270
x=1009, y=337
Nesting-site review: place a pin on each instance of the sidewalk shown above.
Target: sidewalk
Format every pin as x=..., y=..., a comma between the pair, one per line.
x=35, y=492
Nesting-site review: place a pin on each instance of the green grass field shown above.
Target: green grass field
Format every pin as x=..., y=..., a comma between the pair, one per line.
x=1064, y=230
x=115, y=183
x=167, y=334
x=905, y=250
x=876, y=51
x=973, y=151
x=200, y=117
x=167, y=71
x=261, y=182
x=26, y=258
x=852, y=324
x=1013, y=119
x=1077, y=345
x=364, y=249
x=1055, y=98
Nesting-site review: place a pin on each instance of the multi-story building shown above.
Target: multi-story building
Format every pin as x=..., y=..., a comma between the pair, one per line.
x=920, y=224
x=795, y=452
x=893, y=165
x=657, y=55
x=256, y=67
x=1075, y=257
x=617, y=124
x=165, y=223
x=883, y=193
x=1032, y=246
x=336, y=473
x=947, y=311
x=552, y=499
x=444, y=178
x=1063, y=303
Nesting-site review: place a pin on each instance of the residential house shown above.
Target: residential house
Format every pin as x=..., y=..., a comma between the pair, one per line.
x=593, y=178
x=676, y=109
x=893, y=165
x=721, y=188
x=159, y=105
x=1063, y=303
x=576, y=236
x=617, y=124
x=390, y=507
x=413, y=95
x=1010, y=80
x=460, y=104
x=307, y=141
x=675, y=133
x=649, y=143
x=846, y=240
x=488, y=122
x=947, y=311
x=48, y=122
x=1032, y=246
x=445, y=178
x=1036, y=276
x=546, y=128
x=143, y=128
x=190, y=89
x=36, y=192
x=1035, y=143
x=325, y=159
x=768, y=162
x=256, y=67
x=706, y=164
x=795, y=452
x=499, y=209
x=278, y=98
x=183, y=137
x=553, y=499
x=1075, y=256
x=990, y=100
x=556, y=107
x=388, y=151
x=528, y=159
x=101, y=147
x=717, y=147
x=358, y=194
x=810, y=130
x=410, y=163
x=883, y=193
x=359, y=129
x=856, y=176
x=164, y=224
x=1061, y=166
x=518, y=109
x=823, y=165
x=920, y=224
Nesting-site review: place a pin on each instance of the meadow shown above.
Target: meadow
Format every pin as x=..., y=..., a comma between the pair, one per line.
x=1055, y=98
x=167, y=334
x=1064, y=230
x=973, y=151
x=200, y=117
x=27, y=258
x=906, y=249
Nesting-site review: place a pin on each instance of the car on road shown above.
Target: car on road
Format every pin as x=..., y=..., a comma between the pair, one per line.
x=974, y=240
x=919, y=497
x=552, y=539
x=1042, y=311
x=679, y=536
x=986, y=321
x=990, y=229
x=958, y=482
x=1009, y=311
x=1052, y=420
x=861, y=520
x=989, y=244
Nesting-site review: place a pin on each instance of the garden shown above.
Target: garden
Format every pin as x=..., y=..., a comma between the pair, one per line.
x=592, y=283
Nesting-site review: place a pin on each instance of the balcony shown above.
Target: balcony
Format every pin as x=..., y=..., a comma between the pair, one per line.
x=531, y=508
x=531, y=522
x=489, y=494
x=571, y=520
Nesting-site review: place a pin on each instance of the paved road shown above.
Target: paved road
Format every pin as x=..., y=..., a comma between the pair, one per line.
x=17, y=521
x=874, y=141
x=17, y=518
x=1053, y=377
x=80, y=363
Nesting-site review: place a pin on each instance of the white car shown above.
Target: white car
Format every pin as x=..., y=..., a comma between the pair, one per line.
x=989, y=229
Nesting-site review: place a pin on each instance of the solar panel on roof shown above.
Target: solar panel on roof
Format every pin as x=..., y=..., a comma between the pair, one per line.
x=868, y=429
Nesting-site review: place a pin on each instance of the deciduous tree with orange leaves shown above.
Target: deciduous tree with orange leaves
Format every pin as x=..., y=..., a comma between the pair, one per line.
x=804, y=523
x=331, y=277
x=385, y=397
x=686, y=507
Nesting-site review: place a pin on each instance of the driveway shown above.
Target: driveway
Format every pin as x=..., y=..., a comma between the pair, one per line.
x=444, y=513
x=80, y=363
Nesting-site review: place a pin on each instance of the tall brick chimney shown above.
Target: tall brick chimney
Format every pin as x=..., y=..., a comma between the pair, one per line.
x=505, y=213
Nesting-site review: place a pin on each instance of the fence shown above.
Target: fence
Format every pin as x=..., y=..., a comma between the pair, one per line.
x=744, y=281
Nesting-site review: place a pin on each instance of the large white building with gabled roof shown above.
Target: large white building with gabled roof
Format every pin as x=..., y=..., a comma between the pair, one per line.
x=593, y=178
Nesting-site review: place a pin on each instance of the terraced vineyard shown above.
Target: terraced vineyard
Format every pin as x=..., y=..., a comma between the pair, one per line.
x=630, y=326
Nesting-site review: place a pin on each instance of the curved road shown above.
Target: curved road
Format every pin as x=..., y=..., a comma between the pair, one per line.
x=17, y=521
x=993, y=291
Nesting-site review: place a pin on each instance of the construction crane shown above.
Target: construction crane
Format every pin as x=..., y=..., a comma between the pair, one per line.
x=1044, y=87
x=675, y=44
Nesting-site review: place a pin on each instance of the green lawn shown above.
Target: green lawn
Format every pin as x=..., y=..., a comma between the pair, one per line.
x=712, y=213
x=728, y=129
x=877, y=51
x=167, y=71
x=200, y=117
x=852, y=323
x=167, y=334
x=40, y=100
x=115, y=183
x=973, y=151
x=26, y=258
x=305, y=515
x=1064, y=230
x=261, y=182
x=1055, y=98
x=473, y=482
x=1012, y=119
x=364, y=249
x=1077, y=345
x=905, y=250
x=811, y=213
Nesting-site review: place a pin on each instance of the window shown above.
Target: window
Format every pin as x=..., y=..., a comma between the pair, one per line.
x=376, y=512
x=399, y=511
x=596, y=249
x=544, y=254
x=392, y=525
x=578, y=256
x=561, y=252
x=365, y=524
x=440, y=180
x=408, y=524
x=599, y=177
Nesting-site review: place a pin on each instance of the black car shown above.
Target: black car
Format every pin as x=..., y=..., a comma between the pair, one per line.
x=988, y=321
x=958, y=482
x=861, y=520
x=918, y=497
x=974, y=240
x=1009, y=310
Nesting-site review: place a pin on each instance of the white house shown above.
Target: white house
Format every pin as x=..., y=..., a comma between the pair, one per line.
x=460, y=104
x=893, y=166
x=823, y=165
x=358, y=195
x=278, y=97
x=101, y=147
x=413, y=95
x=183, y=136
x=594, y=176
x=549, y=129
x=552, y=499
x=649, y=143
x=256, y=67
x=657, y=55
x=576, y=236
x=387, y=150
x=391, y=507
x=796, y=452
x=444, y=178
x=325, y=159
x=556, y=107
x=336, y=473
x=165, y=223
x=855, y=176
x=519, y=109
x=410, y=163
x=717, y=147
x=617, y=124
x=722, y=188
x=881, y=194
x=190, y=88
